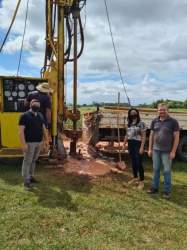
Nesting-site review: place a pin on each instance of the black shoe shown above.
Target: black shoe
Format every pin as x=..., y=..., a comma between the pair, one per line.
x=33, y=180
x=27, y=185
x=166, y=195
x=152, y=191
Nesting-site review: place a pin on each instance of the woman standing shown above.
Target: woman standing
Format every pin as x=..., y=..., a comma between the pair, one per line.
x=136, y=136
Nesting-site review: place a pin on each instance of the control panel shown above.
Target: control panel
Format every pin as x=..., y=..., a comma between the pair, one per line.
x=15, y=91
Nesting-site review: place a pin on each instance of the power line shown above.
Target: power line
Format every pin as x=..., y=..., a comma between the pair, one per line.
x=24, y=31
x=115, y=52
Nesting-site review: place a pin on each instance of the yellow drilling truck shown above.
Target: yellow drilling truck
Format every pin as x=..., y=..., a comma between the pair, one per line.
x=63, y=29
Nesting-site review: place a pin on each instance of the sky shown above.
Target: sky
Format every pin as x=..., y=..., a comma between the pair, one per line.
x=151, y=43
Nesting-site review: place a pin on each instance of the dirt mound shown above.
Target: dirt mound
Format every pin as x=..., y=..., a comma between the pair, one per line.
x=87, y=167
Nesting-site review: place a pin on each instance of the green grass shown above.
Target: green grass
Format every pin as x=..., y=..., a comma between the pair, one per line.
x=178, y=110
x=70, y=212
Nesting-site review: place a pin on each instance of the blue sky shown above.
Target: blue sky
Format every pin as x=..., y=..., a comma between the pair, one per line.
x=151, y=41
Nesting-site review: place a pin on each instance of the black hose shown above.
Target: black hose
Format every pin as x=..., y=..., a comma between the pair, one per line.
x=82, y=37
x=82, y=41
x=68, y=50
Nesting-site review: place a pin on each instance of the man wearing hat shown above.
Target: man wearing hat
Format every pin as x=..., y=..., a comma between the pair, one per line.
x=42, y=94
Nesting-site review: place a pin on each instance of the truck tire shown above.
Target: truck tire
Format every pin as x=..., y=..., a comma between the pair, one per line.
x=182, y=149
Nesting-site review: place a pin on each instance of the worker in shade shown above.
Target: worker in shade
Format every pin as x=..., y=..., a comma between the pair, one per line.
x=42, y=94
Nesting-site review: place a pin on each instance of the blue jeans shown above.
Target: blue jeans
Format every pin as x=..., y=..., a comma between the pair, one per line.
x=161, y=158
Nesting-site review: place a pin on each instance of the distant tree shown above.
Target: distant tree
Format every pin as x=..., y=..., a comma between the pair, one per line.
x=185, y=104
x=171, y=104
x=155, y=104
x=96, y=104
x=144, y=105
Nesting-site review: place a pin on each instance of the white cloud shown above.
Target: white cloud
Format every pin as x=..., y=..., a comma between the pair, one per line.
x=150, y=38
x=36, y=21
x=34, y=41
x=146, y=91
x=6, y=72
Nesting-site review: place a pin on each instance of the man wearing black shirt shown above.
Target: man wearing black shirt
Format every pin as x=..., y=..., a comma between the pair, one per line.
x=31, y=132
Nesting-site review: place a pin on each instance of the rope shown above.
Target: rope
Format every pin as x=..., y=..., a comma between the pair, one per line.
x=12, y=22
x=115, y=52
x=24, y=31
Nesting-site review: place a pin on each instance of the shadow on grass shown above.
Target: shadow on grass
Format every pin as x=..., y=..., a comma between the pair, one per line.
x=50, y=197
x=11, y=172
x=52, y=191
x=55, y=192
x=179, y=166
x=178, y=196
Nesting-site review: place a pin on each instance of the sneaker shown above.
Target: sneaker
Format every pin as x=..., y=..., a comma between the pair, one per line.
x=141, y=185
x=166, y=195
x=152, y=191
x=133, y=180
x=27, y=186
x=33, y=180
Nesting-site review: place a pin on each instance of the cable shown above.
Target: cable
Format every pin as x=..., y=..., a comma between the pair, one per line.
x=24, y=31
x=12, y=22
x=85, y=16
x=115, y=52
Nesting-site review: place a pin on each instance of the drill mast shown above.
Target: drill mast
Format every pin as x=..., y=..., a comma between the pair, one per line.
x=63, y=18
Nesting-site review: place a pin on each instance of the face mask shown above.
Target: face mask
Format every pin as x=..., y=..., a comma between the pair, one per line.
x=134, y=117
x=35, y=108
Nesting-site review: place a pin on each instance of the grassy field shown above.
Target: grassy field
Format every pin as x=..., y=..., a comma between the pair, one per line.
x=71, y=212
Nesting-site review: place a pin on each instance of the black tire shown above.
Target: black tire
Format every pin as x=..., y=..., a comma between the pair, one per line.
x=182, y=149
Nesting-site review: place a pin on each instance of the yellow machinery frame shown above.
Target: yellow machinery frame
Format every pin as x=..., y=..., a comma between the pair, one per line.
x=53, y=71
x=9, y=140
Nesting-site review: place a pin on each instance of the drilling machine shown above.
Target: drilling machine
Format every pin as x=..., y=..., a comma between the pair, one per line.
x=63, y=28
x=55, y=59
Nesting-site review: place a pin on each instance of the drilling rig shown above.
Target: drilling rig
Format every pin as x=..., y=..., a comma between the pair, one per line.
x=63, y=30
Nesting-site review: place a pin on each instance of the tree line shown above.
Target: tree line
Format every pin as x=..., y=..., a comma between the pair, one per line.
x=171, y=104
